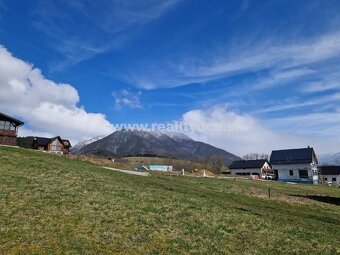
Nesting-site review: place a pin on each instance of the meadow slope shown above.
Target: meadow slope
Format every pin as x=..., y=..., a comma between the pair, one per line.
x=55, y=205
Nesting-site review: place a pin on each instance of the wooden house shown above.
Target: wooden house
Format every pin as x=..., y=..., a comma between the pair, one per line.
x=259, y=167
x=67, y=146
x=295, y=165
x=52, y=145
x=8, y=129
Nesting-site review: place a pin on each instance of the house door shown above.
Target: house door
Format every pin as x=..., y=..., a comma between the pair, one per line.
x=303, y=174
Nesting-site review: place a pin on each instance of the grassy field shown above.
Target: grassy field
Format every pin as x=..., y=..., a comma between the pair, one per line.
x=55, y=205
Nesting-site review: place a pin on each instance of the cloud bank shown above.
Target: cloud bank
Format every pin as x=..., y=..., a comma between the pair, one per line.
x=246, y=134
x=47, y=107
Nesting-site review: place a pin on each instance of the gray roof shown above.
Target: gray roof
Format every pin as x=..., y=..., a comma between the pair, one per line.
x=44, y=141
x=330, y=170
x=246, y=164
x=292, y=156
x=11, y=119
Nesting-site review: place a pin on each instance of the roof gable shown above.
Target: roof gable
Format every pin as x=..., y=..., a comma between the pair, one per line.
x=293, y=156
x=44, y=141
x=245, y=164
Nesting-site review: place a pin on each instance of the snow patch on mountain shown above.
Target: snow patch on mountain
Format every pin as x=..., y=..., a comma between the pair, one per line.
x=163, y=144
x=82, y=144
x=174, y=135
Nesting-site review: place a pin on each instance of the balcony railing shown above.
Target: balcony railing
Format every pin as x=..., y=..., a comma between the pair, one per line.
x=5, y=132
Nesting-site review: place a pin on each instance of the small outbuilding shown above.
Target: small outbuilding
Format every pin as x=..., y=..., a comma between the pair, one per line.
x=259, y=167
x=8, y=129
x=162, y=168
x=330, y=174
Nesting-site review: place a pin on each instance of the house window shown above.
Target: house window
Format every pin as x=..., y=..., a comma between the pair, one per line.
x=7, y=125
x=291, y=172
x=333, y=179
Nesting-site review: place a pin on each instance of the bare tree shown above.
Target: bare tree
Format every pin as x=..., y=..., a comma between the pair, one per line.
x=213, y=163
x=254, y=156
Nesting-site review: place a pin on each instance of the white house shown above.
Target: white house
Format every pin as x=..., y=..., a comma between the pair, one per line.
x=330, y=174
x=295, y=165
x=260, y=167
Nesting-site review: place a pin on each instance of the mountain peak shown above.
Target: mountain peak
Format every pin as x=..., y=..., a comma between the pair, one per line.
x=81, y=144
x=164, y=144
x=329, y=159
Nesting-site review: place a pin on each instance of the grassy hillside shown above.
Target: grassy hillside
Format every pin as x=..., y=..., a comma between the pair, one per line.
x=56, y=205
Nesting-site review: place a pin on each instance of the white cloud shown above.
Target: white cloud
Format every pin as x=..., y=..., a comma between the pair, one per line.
x=24, y=131
x=326, y=81
x=321, y=86
x=127, y=98
x=316, y=124
x=279, y=56
x=288, y=60
x=303, y=103
x=104, y=25
x=280, y=77
x=247, y=134
x=46, y=107
x=273, y=79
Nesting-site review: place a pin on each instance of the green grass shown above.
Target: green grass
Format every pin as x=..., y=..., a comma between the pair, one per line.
x=56, y=205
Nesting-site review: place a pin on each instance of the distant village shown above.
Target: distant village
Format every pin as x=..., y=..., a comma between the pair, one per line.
x=296, y=165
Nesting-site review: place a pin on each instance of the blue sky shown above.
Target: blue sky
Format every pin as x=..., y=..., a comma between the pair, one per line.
x=274, y=62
